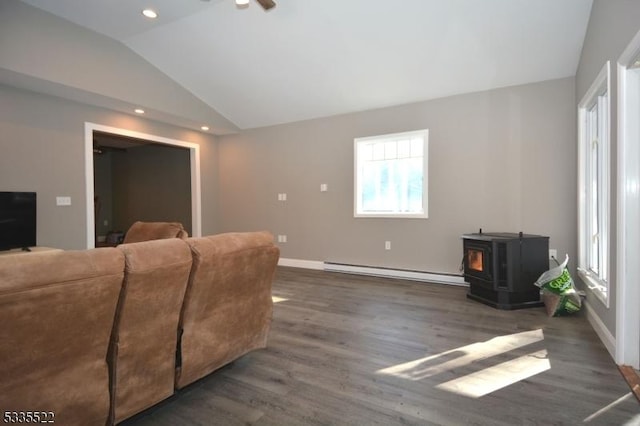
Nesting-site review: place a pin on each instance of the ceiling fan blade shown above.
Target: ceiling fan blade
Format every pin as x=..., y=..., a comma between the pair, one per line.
x=267, y=4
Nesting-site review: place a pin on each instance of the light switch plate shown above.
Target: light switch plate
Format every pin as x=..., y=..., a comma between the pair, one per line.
x=63, y=201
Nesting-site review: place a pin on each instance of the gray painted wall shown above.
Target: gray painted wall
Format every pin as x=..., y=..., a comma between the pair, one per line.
x=103, y=190
x=503, y=160
x=612, y=25
x=151, y=183
x=42, y=149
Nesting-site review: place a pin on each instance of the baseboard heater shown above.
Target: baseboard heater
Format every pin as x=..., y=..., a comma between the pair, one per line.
x=404, y=274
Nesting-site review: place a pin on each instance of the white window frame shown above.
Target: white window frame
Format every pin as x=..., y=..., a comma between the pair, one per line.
x=628, y=229
x=594, y=139
x=357, y=207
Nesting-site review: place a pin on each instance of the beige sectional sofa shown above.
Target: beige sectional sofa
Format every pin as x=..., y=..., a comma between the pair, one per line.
x=94, y=337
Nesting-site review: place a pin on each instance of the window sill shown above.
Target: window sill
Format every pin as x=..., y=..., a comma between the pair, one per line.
x=595, y=284
x=391, y=216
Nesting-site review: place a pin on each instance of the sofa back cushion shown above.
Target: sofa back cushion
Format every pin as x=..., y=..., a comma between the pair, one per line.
x=227, y=308
x=146, y=231
x=57, y=310
x=143, y=351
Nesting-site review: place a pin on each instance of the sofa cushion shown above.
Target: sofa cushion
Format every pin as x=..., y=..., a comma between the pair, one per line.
x=57, y=310
x=143, y=351
x=146, y=231
x=228, y=307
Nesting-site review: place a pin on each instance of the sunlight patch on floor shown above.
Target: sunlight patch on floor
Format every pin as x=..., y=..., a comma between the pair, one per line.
x=277, y=299
x=488, y=380
x=610, y=406
x=455, y=358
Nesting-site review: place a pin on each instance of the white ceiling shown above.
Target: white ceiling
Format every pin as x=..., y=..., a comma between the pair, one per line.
x=314, y=58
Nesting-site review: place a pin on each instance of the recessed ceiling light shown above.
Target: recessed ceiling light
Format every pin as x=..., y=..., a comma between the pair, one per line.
x=150, y=13
x=139, y=111
x=242, y=2
x=205, y=128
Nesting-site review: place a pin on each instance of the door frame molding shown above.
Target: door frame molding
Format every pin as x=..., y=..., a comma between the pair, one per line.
x=194, y=155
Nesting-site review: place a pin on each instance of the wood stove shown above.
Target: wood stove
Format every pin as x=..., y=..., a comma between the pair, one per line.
x=501, y=268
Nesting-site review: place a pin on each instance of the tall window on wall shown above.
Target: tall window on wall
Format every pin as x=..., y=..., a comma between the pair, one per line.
x=391, y=175
x=594, y=178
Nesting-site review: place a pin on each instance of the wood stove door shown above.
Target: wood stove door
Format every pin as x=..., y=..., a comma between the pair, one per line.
x=478, y=260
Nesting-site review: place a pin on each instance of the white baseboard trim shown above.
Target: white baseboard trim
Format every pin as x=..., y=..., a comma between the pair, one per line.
x=396, y=273
x=299, y=263
x=429, y=277
x=601, y=330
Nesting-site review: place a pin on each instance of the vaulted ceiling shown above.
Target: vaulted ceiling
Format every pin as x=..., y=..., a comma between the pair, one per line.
x=312, y=58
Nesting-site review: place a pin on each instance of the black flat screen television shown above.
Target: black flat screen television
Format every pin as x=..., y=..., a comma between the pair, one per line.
x=17, y=220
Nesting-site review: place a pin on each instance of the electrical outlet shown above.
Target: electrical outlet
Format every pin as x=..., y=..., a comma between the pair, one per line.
x=323, y=187
x=387, y=245
x=553, y=254
x=282, y=238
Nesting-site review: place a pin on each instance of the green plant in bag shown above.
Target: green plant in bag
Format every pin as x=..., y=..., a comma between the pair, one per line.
x=559, y=293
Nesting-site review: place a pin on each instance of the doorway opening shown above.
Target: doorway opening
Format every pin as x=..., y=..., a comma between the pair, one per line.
x=122, y=147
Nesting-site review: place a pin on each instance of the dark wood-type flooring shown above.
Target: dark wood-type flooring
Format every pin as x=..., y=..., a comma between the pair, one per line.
x=357, y=350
